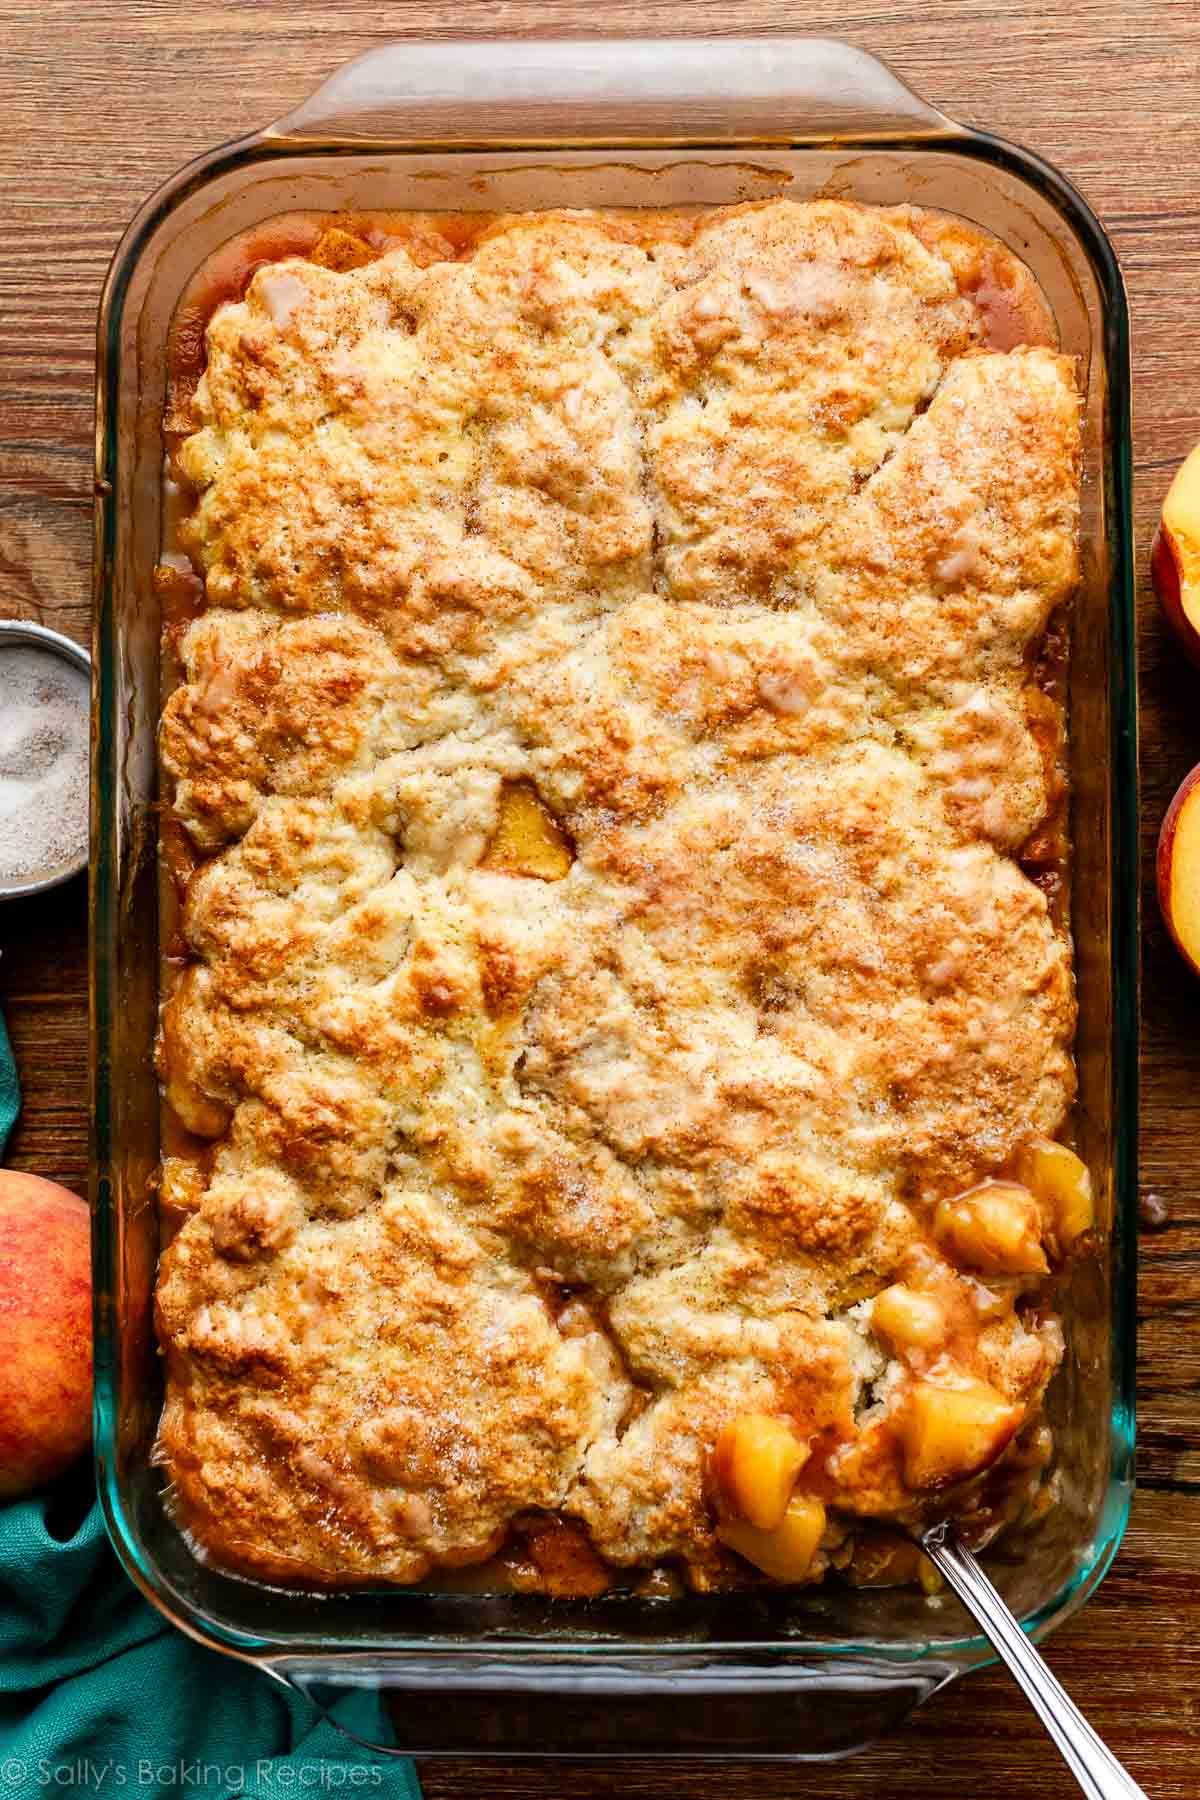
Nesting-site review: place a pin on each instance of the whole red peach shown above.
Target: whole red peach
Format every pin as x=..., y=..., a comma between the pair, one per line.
x=45, y=1331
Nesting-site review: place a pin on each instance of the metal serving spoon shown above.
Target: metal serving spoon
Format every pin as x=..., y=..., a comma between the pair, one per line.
x=1094, y=1767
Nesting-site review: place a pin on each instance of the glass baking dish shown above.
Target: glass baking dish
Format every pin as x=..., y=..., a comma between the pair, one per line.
x=500, y=125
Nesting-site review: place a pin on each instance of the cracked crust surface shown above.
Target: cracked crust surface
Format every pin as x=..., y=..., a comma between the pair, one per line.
x=732, y=538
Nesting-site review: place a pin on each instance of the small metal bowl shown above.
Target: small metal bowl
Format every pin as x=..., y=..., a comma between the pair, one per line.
x=20, y=631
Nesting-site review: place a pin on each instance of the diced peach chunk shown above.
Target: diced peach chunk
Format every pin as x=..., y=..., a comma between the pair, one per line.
x=755, y=1462
x=995, y=1227
x=908, y=1319
x=948, y=1433
x=528, y=839
x=1057, y=1177
x=787, y=1552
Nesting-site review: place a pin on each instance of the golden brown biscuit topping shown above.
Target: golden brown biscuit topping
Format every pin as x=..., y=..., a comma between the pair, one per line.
x=608, y=740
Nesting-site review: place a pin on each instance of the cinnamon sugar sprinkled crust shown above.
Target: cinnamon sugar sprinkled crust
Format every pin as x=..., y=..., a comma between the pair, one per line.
x=726, y=548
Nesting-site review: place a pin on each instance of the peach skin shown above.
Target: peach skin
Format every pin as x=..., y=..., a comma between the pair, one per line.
x=45, y=1331
x=1178, y=869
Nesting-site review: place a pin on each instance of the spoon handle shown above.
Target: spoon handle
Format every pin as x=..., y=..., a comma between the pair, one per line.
x=1094, y=1767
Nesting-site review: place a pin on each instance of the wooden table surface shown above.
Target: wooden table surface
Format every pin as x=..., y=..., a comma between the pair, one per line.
x=103, y=101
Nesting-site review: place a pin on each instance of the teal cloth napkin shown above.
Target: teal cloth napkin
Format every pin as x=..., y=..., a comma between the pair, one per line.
x=10, y=1093
x=99, y=1694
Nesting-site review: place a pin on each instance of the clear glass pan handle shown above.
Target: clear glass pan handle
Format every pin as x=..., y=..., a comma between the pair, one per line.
x=1095, y=1768
x=631, y=1702
x=522, y=92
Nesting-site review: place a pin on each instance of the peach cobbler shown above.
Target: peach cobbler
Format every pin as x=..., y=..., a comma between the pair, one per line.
x=618, y=999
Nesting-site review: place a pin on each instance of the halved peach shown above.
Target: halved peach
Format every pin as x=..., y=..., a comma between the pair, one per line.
x=1178, y=869
x=1175, y=556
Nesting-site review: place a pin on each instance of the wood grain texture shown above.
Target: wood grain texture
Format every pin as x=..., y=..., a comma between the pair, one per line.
x=104, y=100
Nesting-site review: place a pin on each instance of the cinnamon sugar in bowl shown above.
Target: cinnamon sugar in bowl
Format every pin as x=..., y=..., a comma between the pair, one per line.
x=44, y=712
